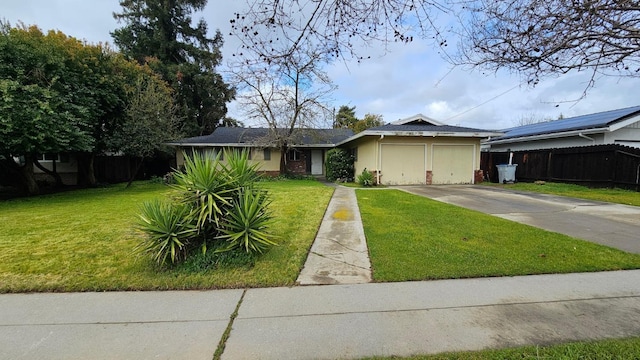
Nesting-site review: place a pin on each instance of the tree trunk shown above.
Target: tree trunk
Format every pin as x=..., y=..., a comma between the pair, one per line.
x=28, y=179
x=283, y=159
x=86, y=175
x=135, y=173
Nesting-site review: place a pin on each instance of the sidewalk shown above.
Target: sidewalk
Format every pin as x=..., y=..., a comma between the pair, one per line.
x=323, y=322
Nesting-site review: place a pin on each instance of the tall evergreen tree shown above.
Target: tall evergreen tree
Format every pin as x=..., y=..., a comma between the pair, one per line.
x=160, y=33
x=345, y=118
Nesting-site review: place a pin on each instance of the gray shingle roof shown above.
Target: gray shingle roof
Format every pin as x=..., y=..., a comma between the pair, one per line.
x=426, y=127
x=237, y=135
x=584, y=122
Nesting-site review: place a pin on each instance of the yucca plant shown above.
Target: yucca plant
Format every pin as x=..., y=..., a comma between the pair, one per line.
x=169, y=230
x=205, y=186
x=245, y=225
x=366, y=178
x=239, y=168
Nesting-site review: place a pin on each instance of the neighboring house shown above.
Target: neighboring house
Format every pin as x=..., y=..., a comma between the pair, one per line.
x=620, y=126
x=306, y=153
x=419, y=150
x=64, y=164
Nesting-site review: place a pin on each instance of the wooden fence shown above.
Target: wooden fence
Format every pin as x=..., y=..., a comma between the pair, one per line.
x=116, y=169
x=599, y=165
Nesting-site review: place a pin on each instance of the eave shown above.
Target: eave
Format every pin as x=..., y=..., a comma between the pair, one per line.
x=548, y=136
x=458, y=134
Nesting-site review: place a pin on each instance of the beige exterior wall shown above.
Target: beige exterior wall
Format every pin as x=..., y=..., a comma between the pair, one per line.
x=370, y=157
x=366, y=159
x=257, y=156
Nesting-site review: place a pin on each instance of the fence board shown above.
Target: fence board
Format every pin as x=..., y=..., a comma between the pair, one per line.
x=610, y=165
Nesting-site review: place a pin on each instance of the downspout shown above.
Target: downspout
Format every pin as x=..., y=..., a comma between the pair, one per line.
x=587, y=137
x=378, y=160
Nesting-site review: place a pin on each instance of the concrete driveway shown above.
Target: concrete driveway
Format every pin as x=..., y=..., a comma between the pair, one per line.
x=608, y=224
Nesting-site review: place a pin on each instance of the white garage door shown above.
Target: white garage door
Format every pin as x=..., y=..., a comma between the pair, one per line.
x=453, y=164
x=403, y=164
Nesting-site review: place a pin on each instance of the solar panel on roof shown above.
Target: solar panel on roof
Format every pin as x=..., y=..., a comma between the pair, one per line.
x=583, y=122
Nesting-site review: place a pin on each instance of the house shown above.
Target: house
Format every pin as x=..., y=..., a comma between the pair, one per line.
x=419, y=150
x=620, y=126
x=415, y=150
x=306, y=155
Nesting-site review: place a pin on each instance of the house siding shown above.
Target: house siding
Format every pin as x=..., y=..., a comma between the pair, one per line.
x=257, y=156
x=370, y=154
x=557, y=143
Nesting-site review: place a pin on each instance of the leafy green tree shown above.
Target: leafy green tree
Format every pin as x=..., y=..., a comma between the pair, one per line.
x=369, y=121
x=149, y=119
x=41, y=112
x=161, y=34
x=345, y=118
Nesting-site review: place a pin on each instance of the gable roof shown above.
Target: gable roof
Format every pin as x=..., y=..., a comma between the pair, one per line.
x=420, y=130
x=238, y=136
x=416, y=120
x=598, y=122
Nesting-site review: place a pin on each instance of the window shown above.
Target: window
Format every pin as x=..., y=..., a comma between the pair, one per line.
x=294, y=155
x=267, y=154
x=354, y=152
x=60, y=158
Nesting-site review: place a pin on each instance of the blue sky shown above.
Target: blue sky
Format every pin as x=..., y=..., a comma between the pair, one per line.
x=409, y=79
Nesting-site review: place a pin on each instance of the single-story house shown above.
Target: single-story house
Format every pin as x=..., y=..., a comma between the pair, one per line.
x=620, y=126
x=419, y=150
x=306, y=155
x=415, y=150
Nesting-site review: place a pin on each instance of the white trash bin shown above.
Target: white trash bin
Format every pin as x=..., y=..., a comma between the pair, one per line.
x=506, y=173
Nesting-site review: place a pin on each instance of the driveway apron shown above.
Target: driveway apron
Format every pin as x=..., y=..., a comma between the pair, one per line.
x=613, y=225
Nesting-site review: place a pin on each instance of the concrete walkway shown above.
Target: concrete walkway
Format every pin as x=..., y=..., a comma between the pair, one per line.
x=323, y=322
x=339, y=253
x=613, y=225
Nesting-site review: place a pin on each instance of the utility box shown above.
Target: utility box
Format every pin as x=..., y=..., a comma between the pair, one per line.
x=506, y=173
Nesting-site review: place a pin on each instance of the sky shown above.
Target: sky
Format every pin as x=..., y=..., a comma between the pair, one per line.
x=407, y=80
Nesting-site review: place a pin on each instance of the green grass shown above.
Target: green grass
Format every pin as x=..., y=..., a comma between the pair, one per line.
x=415, y=238
x=619, y=196
x=83, y=241
x=623, y=349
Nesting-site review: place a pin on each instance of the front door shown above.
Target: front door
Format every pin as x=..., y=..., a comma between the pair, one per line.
x=316, y=162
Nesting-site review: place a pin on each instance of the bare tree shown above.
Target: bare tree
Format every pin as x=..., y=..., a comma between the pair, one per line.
x=534, y=38
x=341, y=26
x=286, y=94
x=538, y=38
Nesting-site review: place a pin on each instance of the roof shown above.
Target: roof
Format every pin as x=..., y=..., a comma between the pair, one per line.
x=423, y=130
x=417, y=119
x=238, y=136
x=602, y=120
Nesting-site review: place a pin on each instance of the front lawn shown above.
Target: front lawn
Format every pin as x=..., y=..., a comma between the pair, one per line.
x=622, y=349
x=83, y=241
x=619, y=196
x=414, y=238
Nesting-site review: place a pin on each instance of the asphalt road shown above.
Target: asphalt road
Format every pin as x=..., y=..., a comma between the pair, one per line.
x=608, y=224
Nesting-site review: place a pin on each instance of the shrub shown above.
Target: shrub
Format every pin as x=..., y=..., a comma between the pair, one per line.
x=246, y=223
x=215, y=204
x=366, y=178
x=339, y=165
x=169, y=228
